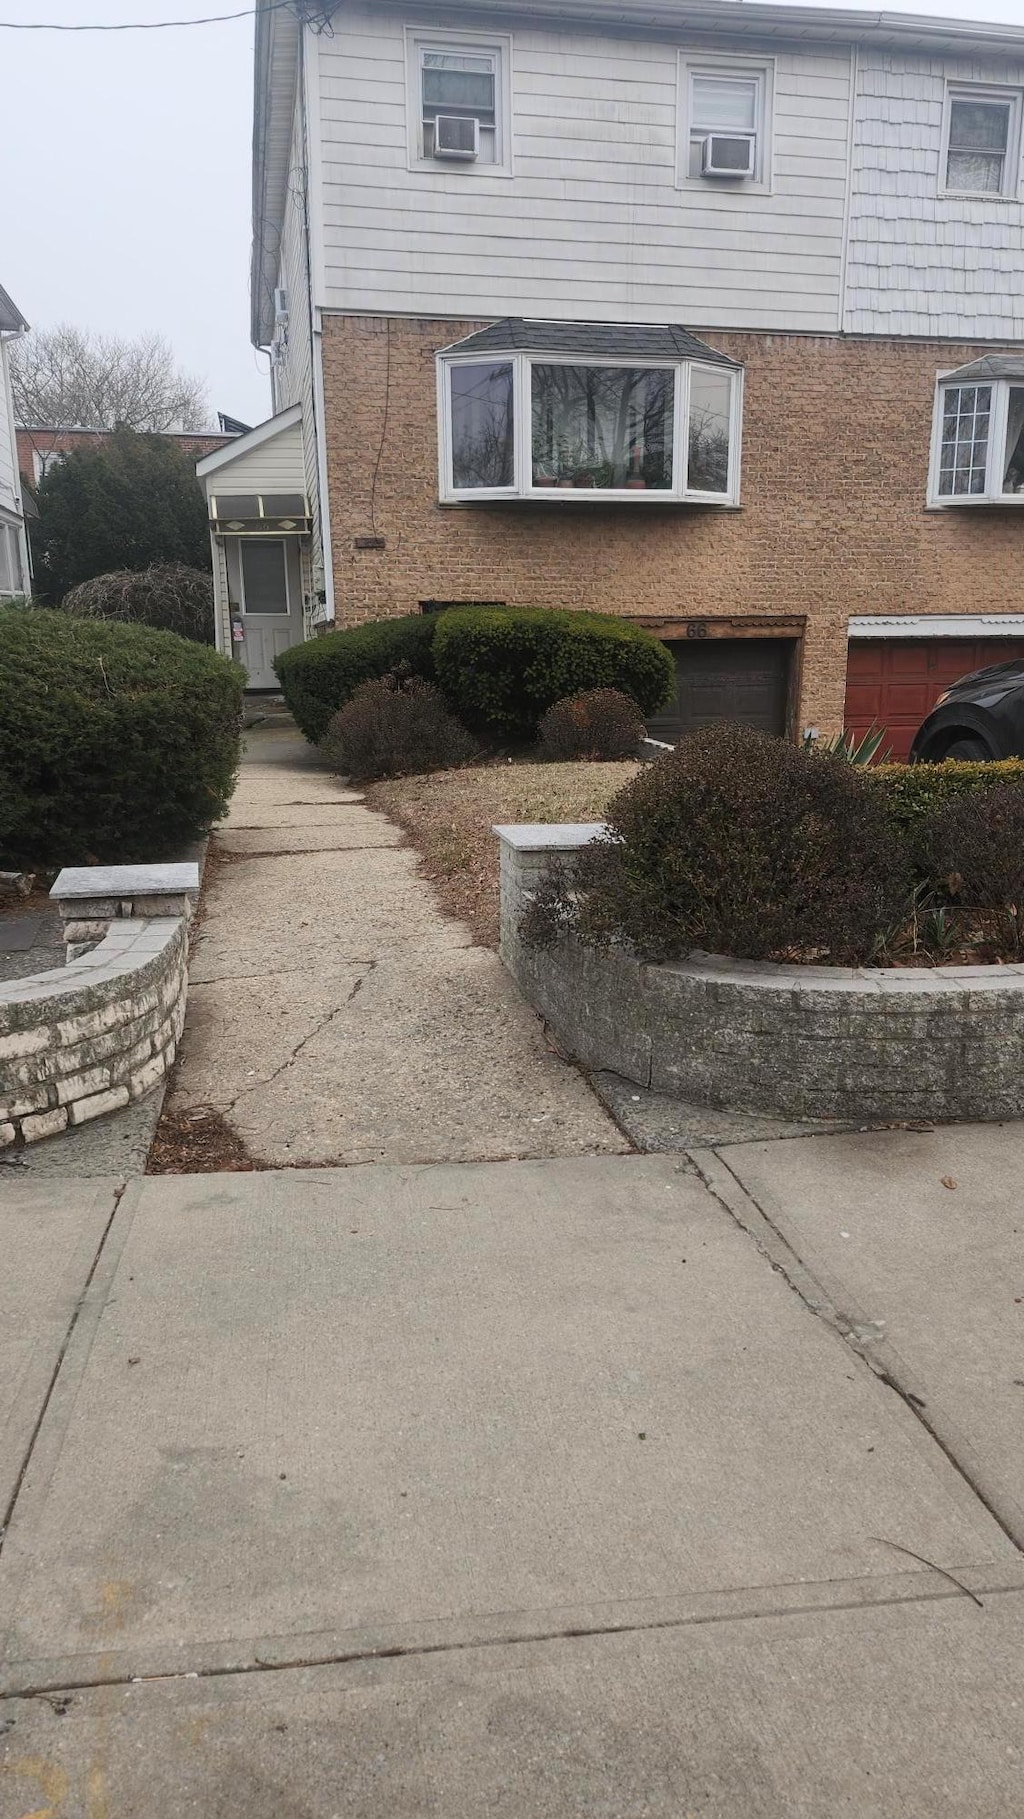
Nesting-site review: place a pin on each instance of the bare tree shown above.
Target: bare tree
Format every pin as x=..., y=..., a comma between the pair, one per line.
x=72, y=379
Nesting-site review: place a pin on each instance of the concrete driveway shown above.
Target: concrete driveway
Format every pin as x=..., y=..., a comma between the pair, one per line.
x=527, y=1488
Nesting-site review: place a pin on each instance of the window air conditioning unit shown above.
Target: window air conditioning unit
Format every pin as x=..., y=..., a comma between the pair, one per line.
x=456, y=137
x=281, y=307
x=727, y=155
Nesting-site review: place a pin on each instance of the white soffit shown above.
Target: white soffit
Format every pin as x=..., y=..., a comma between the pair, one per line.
x=939, y=625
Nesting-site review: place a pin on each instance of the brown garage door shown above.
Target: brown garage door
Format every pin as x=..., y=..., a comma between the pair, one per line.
x=895, y=682
x=744, y=679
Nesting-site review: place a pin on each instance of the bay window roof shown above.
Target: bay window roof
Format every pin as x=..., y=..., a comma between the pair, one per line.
x=990, y=366
x=603, y=340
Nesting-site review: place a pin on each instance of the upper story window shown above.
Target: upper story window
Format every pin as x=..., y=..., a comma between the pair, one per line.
x=978, y=435
x=725, y=123
x=555, y=412
x=459, y=103
x=982, y=141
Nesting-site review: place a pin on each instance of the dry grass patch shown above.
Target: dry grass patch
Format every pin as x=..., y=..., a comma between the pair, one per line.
x=449, y=815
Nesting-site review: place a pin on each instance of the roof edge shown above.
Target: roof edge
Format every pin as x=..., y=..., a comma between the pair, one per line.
x=243, y=445
x=12, y=322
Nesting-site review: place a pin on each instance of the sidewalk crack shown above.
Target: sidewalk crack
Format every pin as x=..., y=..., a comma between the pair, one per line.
x=290, y=1060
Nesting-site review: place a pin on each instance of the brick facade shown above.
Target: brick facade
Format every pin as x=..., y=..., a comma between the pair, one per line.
x=46, y=442
x=836, y=439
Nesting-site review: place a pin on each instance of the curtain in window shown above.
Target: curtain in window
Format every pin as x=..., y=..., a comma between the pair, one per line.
x=1013, y=467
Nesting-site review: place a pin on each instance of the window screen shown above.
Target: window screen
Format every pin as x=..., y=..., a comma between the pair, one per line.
x=462, y=83
x=979, y=136
x=264, y=585
x=720, y=104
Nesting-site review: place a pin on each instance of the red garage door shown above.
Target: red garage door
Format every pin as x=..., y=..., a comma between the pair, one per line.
x=895, y=682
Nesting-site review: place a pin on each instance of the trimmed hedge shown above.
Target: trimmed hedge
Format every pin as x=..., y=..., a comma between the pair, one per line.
x=501, y=669
x=915, y=791
x=319, y=677
x=117, y=742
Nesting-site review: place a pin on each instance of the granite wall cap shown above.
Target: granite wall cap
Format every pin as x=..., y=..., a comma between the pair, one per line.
x=125, y=880
x=550, y=837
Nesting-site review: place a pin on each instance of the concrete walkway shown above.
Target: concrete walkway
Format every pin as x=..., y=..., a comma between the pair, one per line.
x=525, y=1488
x=567, y=1485
x=335, y=1016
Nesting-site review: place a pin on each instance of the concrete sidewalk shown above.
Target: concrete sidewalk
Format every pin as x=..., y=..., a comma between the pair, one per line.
x=526, y=1488
x=335, y=1016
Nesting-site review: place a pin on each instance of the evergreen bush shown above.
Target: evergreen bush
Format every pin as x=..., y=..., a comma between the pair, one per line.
x=317, y=678
x=117, y=742
x=502, y=668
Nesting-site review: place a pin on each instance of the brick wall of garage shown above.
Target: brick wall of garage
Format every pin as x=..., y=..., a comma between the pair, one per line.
x=836, y=438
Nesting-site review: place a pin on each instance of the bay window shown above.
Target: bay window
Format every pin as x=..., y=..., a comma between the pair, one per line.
x=552, y=426
x=978, y=435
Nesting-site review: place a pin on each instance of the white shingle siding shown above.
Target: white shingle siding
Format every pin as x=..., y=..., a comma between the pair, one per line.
x=592, y=223
x=920, y=263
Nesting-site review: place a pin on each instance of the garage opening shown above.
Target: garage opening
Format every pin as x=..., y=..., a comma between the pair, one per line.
x=894, y=682
x=739, y=679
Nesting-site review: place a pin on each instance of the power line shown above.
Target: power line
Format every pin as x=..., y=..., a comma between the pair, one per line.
x=143, y=25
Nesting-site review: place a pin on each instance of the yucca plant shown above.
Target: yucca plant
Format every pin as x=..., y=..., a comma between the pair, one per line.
x=864, y=750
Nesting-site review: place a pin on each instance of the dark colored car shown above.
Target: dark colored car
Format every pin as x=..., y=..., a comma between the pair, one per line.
x=981, y=717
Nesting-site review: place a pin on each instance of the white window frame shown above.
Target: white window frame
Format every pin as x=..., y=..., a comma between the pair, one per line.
x=985, y=91
x=995, y=458
x=522, y=487
x=262, y=542
x=496, y=44
x=762, y=69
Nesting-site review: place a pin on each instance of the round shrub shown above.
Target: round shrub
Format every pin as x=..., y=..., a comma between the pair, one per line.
x=116, y=742
x=168, y=595
x=395, y=727
x=972, y=849
x=319, y=677
x=739, y=844
x=501, y=669
x=601, y=723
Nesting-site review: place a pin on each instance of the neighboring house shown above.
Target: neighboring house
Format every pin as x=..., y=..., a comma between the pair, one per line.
x=15, y=573
x=41, y=445
x=715, y=321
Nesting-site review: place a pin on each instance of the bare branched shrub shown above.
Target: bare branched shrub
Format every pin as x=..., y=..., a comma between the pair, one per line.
x=168, y=595
x=600, y=723
x=396, y=726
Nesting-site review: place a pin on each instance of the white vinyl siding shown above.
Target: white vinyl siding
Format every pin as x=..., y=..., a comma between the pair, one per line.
x=10, y=488
x=276, y=465
x=922, y=261
x=593, y=224
x=292, y=374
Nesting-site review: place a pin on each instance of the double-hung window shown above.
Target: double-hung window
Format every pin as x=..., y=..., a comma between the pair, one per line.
x=459, y=102
x=654, y=419
x=978, y=435
x=981, y=154
x=725, y=122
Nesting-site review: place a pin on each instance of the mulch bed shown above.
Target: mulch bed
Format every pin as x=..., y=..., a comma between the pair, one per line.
x=448, y=817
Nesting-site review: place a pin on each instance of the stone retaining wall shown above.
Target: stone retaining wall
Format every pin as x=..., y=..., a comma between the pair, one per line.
x=800, y=1041
x=86, y=1038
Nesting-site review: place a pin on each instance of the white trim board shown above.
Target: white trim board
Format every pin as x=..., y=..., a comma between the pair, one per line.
x=939, y=625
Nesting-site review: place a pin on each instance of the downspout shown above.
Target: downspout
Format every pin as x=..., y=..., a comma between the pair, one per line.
x=318, y=403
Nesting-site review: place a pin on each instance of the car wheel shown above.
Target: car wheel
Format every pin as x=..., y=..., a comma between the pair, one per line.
x=971, y=750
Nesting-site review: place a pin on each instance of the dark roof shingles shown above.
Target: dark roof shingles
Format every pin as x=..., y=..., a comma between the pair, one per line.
x=635, y=340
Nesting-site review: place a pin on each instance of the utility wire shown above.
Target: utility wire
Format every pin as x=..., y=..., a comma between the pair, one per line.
x=143, y=25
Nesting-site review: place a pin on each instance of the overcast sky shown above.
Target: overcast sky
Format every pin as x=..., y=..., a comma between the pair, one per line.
x=127, y=201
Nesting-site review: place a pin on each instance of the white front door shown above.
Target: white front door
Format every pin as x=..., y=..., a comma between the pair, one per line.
x=271, y=609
